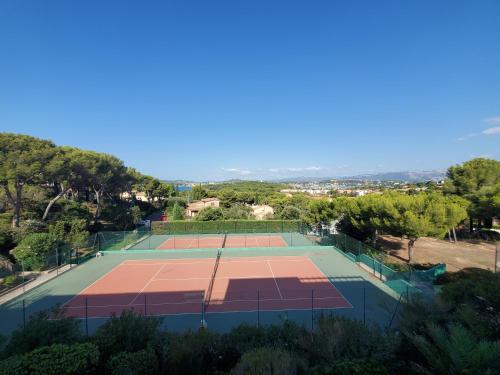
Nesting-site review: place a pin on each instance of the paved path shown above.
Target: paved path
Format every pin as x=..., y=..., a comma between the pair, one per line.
x=42, y=278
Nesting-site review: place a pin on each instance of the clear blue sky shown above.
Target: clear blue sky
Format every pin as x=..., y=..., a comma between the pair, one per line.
x=256, y=89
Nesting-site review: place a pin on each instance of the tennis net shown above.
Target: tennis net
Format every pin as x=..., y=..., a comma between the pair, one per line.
x=212, y=280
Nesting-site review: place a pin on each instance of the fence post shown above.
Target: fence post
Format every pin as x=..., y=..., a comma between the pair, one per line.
x=57, y=261
x=24, y=314
x=86, y=317
x=258, y=308
x=312, y=310
x=364, y=302
x=24, y=280
x=202, y=323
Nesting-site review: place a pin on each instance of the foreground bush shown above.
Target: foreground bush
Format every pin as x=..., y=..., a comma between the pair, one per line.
x=42, y=331
x=129, y=332
x=143, y=362
x=57, y=359
x=265, y=361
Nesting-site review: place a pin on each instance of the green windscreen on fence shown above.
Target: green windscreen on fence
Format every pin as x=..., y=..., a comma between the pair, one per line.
x=227, y=226
x=403, y=282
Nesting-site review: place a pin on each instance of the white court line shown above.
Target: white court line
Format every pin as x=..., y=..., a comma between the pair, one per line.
x=149, y=282
x=95, y=281
x=218, y=278
x=279, y=291
x=334, y=287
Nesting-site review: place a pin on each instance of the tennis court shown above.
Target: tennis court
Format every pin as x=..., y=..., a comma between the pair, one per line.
x=208, y=285
x=231, y=241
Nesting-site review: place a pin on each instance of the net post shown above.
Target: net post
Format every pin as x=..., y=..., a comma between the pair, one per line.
x=86, y=316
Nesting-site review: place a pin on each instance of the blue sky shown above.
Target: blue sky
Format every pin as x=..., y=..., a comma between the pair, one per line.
x=256, y=89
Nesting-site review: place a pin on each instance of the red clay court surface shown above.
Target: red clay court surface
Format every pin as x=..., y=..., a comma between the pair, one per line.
x=216, y=242
x=177, y=286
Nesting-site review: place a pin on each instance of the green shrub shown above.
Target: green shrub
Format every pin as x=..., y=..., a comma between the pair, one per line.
x=351, y=367
x=193, y=353
x=35, y=249
x=57, y=359
x=42, y=331
x=265, y=361
x=11, y=280
x=28, y=227
x=338, y=338
x=128, y=332
x=143, y=362
x=455, y=350
x=473, y=297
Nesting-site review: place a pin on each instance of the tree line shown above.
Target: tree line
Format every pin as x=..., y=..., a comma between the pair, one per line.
x=67, y=172
x=52, y=196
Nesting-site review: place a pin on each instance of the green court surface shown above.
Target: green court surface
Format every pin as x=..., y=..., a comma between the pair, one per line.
x=371, y=299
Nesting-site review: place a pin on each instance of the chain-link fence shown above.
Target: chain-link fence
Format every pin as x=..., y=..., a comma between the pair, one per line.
x=409, y=281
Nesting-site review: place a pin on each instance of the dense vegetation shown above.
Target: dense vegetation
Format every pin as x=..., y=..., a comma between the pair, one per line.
x=457, y=334
x=51, y=195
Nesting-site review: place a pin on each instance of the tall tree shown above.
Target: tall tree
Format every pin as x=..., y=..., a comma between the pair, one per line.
x=65, y=172
x=198, y=193
x=23, y=160
x=478, y=181
x=104, y=173
x=177, y=212
x=424, y=215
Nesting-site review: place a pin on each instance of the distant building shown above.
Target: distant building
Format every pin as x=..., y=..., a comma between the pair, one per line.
x=195, y=207
x=139, y=195
x=262, y=212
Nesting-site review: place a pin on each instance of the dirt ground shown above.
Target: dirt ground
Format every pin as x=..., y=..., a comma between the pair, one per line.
x=427, y=250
